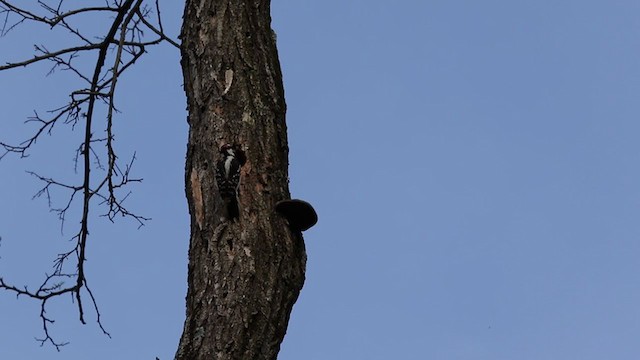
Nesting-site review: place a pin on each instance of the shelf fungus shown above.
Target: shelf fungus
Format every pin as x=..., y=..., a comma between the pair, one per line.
x=299, y=213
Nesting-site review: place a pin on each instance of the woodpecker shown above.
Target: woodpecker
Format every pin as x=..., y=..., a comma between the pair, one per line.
x=228, y=177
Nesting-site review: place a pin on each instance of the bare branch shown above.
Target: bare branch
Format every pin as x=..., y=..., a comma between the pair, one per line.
x=123, y=44
x=160, y=31
x=56, y=17
x=49, y=55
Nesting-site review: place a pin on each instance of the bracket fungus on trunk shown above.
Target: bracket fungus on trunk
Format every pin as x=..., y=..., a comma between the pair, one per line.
x=299, y=213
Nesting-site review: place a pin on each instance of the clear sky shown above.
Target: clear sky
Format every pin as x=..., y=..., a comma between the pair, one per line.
x=475, y=166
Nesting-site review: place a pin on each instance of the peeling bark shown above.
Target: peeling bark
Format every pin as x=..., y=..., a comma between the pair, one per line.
x=244, y=275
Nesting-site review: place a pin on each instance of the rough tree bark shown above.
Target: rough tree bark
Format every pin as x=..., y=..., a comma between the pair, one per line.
x=244, y=275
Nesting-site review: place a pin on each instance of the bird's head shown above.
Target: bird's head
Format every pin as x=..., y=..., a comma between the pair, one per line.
x=227, y=150
x=234, y=150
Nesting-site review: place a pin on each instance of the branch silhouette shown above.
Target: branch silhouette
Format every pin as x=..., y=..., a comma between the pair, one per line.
x=117, y=50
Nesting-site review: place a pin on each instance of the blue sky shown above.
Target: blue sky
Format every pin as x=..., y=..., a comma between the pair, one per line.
x=475, y=166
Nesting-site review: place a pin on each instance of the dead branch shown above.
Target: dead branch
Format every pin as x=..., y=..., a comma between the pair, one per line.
x=122, y=45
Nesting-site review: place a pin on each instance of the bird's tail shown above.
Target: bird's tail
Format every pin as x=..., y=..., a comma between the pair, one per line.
x=233, y=210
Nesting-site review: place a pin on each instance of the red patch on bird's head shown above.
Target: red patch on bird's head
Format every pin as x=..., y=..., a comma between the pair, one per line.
x=225, y=147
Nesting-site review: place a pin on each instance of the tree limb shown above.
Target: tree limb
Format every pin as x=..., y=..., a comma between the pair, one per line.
x=122, y=45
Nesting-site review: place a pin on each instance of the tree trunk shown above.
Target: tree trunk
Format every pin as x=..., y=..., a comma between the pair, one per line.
x=244, y=274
